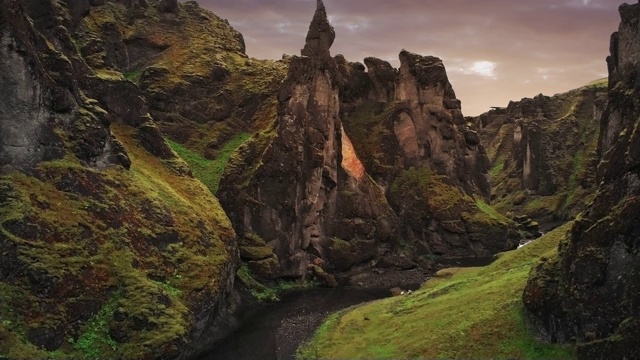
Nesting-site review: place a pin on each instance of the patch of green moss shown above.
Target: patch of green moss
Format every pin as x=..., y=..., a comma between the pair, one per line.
x=496, y=169
x=487, y=211
x=255, y=252
x=109, y=75
x=473, y=313
x=268, y=292
x=544, y=205
x=133, y=75
x=209, y=171
x=422, y=186
x=95, y=340
x=340, y=244
x=244, y=162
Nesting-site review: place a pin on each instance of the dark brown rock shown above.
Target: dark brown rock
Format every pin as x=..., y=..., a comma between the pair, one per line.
x=324, y=277
x=304, y=184
x=268, y=268
x=383, y=78
x=320, y=36
x=396, y=261
x=167, y=6
x=78, y=9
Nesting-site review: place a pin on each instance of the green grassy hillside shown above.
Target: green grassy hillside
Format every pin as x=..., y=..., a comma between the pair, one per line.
x=471, y=313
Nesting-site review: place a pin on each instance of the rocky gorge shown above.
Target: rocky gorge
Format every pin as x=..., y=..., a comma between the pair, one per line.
x=156, y=183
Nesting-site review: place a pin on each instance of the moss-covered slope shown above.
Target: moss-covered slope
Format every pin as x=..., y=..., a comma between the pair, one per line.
x=463, y=313
x=202, y=89
x=109, y=247
x=543, y=152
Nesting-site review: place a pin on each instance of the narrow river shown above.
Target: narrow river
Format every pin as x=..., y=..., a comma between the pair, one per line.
x=276, y=330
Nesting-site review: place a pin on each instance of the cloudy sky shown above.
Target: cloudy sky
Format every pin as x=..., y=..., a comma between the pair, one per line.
x=494, y=50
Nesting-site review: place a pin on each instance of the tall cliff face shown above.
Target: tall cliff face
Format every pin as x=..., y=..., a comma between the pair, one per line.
x=543, y=152
x=410, y=133
x=301, y=186
x=589, y=292
x=110, y=248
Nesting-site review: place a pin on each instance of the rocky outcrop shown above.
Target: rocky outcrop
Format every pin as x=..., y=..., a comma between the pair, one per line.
x=543, y=152
x=409, y=131
x=588, y=293
x=303, y=185
x=110, y=248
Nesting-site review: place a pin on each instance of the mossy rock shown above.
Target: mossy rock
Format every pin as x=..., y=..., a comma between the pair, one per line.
x=255, y=252
x=324, y=277
x=341, y=254
x=252, y=239
x=267, y=268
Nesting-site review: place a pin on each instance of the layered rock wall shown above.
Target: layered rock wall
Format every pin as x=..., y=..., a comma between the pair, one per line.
x=409, y=131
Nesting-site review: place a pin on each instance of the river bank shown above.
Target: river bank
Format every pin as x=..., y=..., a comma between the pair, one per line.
x=273, y=331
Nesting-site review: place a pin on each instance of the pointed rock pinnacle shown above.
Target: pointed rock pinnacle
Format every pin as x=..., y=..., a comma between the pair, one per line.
x=321, y=34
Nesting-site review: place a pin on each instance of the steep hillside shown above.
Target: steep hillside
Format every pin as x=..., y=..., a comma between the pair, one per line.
x=110, y=248
x=470, y=313
x=590, y=291
x=203, y=91
x=543, y=152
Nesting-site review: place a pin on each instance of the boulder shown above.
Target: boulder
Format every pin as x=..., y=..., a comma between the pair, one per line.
x=268, y=268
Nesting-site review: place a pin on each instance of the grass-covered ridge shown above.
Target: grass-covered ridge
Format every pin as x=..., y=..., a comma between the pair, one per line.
x=472, y=313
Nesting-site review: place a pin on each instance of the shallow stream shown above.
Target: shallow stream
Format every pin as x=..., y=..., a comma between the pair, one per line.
x=275, y=331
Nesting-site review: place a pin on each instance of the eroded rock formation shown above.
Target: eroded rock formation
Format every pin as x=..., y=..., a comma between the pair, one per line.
x=589, y=292
x=201, y=88
x=305, y=189
x=410, y=133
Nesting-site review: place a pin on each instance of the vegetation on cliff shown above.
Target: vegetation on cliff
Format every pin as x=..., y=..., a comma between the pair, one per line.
x=543, y=152
x=590, y=293
x=103, y=262
x=110, y=248
x=473, y=313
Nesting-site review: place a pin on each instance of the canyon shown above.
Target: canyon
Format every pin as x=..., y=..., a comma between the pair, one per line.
x=156, y=182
